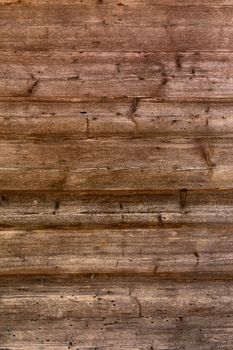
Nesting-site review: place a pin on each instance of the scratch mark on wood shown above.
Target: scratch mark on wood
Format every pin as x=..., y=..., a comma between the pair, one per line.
x=56, y=206
x=155, y=268
x=74, y=78
x=32, y=88
x=160, y=220
x=197, y=256
x=178, y=62
x=134, y=105
x=207, y=156
x=138, y=304
x=88, y=128
x=183, y=198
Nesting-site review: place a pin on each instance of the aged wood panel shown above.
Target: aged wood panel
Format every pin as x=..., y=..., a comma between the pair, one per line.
x=90, y=118
x=114, y=180
x=101, y=37
x=116, y=174
x=103, y=210
x=117, y=154
x=164, y=252
x=173, y=75
x=113, y=13
x=116, y=165
x=116, y=333
x=123, y=297
x=160, y=314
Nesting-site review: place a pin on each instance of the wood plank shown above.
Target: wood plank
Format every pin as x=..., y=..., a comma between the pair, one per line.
x=123, y=164
x=176, y=27
x=28, y=119
x=113, y=13
x=115, y=180
x=183, y=76
x=164, y=252
x=117, y=333
x=103, y=210
x=115, y=154
x=79, y=297
x=194, y=314
x=101, y=37
x=129, y=3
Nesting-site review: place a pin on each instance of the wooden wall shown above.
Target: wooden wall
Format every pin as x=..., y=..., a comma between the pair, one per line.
x=116, y=174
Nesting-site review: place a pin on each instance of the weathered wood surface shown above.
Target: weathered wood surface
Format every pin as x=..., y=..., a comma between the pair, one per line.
x=116, y=165
x=125, y=313
x=120, y=333
x=164, y=252
x=116, y=202
x=27, y=119
x=162, y=75
x=106, y=210
x=111, y=13
x=170, y=29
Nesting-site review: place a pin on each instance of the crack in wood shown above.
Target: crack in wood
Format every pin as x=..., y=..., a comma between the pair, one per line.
x=160, y=220
x=197, y=257
x=88, y=128
x=134, y=105
x=207, y=155
x=138, y=304
x=178, y=62
x=32, y=88
x=183, y=198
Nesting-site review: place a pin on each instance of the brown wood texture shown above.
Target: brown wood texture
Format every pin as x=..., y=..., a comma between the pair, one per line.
x=116, y=182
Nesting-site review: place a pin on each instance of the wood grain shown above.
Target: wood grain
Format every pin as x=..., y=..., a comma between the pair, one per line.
x=144, y=314
x=115, y=165
x=106, y=210
x=161, y=75
x=116, y=139
x=112, y=13
x=114, y=27
x=153, y=251
x=90, y=118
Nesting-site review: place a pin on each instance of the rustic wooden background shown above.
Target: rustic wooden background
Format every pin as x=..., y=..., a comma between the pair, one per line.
x=116, y=174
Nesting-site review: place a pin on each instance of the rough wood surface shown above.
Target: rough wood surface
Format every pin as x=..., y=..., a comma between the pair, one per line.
x=125, y=313
x=100, y=118
x=116, y=182
x=164, y=252
x=106, y=210
x=173, y=75
x=170, y=29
